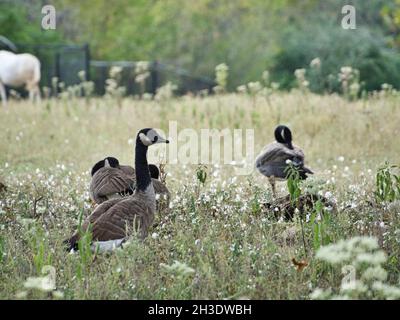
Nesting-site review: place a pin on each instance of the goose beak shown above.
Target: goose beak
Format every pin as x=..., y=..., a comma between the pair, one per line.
x=162, y=140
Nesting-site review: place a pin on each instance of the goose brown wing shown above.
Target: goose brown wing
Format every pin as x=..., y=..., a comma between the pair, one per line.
x=160, y=188
x=90, y=220
x=128, y=170
x=98, y=212
x=120, y=218
x=109, y=181
x=298, y=157
x=278, y=153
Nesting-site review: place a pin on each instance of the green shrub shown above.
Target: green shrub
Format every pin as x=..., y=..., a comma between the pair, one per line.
x=361, y=49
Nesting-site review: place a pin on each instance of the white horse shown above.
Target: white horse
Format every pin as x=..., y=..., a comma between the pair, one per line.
x=17, y=70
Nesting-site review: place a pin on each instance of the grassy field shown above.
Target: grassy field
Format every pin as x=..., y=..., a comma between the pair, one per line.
x=226, y=244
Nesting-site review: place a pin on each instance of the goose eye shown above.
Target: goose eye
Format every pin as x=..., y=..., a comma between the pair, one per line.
x=155, y=139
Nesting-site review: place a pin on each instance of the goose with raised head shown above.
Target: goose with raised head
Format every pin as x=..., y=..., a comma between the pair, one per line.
x=272, y=161
x=111, y=180
x=112, y=221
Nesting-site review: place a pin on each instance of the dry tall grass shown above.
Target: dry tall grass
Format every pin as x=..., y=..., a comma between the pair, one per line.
x=220, y=230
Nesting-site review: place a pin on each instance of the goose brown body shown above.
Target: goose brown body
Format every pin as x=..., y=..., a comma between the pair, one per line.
x=272, y=161
x=115, y=218
x=136, y=211
x=116, y=182
x=109, y=182
x=159, y=187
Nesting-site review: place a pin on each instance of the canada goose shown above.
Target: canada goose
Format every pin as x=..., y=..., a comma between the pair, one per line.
x=110, y=180
x=273, y=159
x=111, y=220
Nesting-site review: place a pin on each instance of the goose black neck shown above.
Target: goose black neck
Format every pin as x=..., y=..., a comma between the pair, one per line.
x=143, y=179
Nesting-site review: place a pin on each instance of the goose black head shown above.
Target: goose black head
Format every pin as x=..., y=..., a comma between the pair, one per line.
x=284, y=135
x=149, y=136
x=154, y=171
x=107, y=162
x=111, y=162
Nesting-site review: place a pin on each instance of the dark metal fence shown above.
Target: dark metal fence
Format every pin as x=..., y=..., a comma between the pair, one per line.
x=61, y=61
x=66, y=61
x=160, y=74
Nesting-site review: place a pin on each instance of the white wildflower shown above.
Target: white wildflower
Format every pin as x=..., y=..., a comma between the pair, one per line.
x=376, y=258
x=315, y=63
x=375, y=273
x=300, y=73
x=21, y=294
x=58, y=294
x=178, y=268
x=320, y=294
x=45, y=284
x=154, y=235
x=388, y=291
x=355, y=285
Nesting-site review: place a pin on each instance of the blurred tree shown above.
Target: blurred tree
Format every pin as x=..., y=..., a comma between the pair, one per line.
x=20, y=21
x=248, y=35
x=391, y=15
x=194, y=35
x=321, y=36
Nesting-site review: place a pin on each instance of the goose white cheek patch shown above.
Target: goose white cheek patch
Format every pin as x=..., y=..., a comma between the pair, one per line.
x=145, y=140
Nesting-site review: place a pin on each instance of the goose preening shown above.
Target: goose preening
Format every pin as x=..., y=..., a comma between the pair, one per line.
x=113, y=220
x=272, y=162
x=111, y=180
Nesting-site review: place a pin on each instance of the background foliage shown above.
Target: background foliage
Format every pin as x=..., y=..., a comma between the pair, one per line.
x=248, y=35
